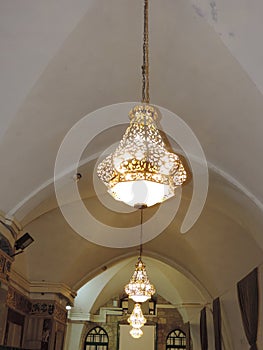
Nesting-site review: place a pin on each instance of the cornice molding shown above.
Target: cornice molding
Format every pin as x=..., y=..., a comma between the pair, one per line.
x=35, y=287
x=10, y=228
x=11, y=221
x=19, y=282
x=79, y=315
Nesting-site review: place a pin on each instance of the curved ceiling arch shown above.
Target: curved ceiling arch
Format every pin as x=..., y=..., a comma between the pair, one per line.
x=130, y=258
x=169, y=282
x=224, y=204
x=191, y=252
x=45, y=104
x=205, y=65
x=24, y=212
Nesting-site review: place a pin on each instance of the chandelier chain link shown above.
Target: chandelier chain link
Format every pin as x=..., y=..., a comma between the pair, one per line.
x=141, y=210
x=145, y=66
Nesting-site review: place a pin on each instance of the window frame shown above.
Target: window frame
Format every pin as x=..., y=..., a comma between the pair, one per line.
x=173, y=336
x=96, y=332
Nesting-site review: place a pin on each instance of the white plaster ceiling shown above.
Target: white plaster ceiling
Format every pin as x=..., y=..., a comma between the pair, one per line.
x=90, y=69
x=61, y=60
x=171, y=284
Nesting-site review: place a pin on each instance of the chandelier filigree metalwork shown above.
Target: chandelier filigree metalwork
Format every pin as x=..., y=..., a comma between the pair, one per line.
x=141, y=170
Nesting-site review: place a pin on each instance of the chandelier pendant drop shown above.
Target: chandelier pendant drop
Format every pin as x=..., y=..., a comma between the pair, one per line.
x=141, y=170
x=136, y=333
x=139, y=289
x=137, y=320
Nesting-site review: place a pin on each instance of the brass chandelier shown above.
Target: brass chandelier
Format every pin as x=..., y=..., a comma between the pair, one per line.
x=141, y=170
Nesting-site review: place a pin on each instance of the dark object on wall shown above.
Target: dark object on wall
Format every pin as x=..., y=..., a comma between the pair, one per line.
x=217, y=324
x=248, y=301
x=5, y=246
x=203, y=330
x=23, y=242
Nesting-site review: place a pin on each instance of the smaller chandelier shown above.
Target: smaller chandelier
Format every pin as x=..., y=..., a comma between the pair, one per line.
x=139, y=289
x=136, y=333
x=137, y=320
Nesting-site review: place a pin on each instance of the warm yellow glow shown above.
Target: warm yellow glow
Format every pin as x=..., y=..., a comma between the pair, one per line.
x=136, y=333
x=137, y=320
x=141, y=170
x=139, y=289
x=141, y=192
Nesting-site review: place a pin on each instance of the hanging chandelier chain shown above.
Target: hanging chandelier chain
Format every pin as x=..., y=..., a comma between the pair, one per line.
x=141, y=233
x=142, y=161
x=145, y=66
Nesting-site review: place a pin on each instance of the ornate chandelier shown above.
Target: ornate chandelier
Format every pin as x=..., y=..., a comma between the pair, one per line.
x=141, y=170
x=136, y=333
x=137, y=320
x=139, y=289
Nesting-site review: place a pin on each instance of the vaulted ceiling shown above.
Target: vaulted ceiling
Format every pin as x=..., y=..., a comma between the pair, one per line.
x=62, y=60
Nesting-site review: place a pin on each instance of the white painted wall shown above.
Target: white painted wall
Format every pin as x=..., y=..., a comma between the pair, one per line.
x=73, y=336
x=147, y=341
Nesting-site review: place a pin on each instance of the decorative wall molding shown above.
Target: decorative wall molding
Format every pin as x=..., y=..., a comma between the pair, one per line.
x=60, y=314
x=78, y=315
x=33, y=289
x=18, y=301
x=49, y=309
x=17, y=227
x=5, y=266
x=42, y=308
x=52, y=287
x=11, y=227
x=19, y=282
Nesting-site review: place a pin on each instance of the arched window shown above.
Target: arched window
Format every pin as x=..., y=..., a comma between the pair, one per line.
x=97, y=339
x=176, y=340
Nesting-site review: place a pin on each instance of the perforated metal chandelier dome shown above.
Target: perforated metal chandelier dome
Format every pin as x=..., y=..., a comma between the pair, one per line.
x=141, y=170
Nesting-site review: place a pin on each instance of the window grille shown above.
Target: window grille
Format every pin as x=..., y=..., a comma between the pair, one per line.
x=97, y=339
x=176, y=340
